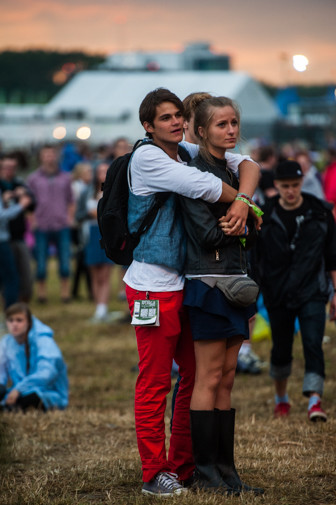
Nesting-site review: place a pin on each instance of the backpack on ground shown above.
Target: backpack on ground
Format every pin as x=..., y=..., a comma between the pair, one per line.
x=117, y=241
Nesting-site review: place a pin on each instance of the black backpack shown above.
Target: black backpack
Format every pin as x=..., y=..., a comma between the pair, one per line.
x=117, y=241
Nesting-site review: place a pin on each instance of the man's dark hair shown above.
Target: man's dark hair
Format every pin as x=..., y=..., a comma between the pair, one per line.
x=147, y=110
x=11, y=156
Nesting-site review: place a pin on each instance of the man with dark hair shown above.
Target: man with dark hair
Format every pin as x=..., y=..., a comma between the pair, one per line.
x=156, y=274
x=295, y=250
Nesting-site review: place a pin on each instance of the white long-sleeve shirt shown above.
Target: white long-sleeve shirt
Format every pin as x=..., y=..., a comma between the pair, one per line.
x=153, y=171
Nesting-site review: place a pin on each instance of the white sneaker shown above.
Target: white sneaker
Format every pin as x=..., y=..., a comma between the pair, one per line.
x=164, y=484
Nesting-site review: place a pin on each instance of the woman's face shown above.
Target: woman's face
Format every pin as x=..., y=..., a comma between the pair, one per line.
x=101, y=171
x=87, y=174
x=223, y=131
x=18, y=326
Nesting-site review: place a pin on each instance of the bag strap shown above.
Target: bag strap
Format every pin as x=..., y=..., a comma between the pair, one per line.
x=160, y=198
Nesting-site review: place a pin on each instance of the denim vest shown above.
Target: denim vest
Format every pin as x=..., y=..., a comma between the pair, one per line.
x=164, y=242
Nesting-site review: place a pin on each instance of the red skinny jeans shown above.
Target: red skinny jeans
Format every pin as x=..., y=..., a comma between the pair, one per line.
x=157, y=346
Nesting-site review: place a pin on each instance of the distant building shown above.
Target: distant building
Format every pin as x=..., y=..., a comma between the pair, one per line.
x=196, y=56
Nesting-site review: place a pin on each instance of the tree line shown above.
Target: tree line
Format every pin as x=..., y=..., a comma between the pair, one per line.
x=34, y=76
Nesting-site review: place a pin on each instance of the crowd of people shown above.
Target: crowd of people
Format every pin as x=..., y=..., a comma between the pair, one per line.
x=231, y=224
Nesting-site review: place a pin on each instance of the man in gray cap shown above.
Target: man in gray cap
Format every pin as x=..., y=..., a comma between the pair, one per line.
x=296, y=269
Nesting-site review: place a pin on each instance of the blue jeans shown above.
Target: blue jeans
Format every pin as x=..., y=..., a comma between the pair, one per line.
x=311, y=317
x=9, y=279
x=61, y=239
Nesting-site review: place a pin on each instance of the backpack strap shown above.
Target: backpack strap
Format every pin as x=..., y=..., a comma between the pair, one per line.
x=183, y=153
x=160, y=198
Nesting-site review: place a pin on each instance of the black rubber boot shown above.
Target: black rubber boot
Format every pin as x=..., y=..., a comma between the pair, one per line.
x=225, y=459
x=204, y=443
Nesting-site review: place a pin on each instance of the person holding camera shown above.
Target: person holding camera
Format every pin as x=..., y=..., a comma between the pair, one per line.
x=13, y=187
x=9, y=279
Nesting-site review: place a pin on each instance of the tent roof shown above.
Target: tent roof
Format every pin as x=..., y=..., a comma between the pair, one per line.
x=114, y=95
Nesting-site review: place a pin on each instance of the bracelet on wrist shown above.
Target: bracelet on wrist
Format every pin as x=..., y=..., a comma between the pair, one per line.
x=244, y=195
x=258, y=212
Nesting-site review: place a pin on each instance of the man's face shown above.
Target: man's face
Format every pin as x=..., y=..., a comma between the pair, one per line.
x=49, y=159
x=8, y=169
x=289, y=191
x=167, y=127
x=18, y=325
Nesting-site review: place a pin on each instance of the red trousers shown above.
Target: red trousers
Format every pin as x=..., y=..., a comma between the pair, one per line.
x=157, y=346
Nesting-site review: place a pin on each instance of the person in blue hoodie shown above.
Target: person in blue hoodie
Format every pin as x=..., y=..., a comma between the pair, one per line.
x=32, y=363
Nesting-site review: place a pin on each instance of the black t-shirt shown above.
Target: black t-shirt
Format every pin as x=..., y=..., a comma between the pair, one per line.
x=290, y=218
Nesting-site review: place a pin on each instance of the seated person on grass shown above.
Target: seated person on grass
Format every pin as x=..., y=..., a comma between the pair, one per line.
x=31, y=364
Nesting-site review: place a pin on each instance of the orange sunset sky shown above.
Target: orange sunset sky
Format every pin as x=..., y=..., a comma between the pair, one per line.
x=260, y=36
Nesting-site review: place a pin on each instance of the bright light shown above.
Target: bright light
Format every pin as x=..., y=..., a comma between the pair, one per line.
x=300, y=62
x=59, y=132
x=83, y=133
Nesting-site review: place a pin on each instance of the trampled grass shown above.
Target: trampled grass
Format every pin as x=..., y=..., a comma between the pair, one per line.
x=87, y=454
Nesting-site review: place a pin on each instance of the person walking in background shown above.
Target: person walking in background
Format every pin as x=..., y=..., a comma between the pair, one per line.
x=94, y=256
x=81, y=180
x=52, y=219
x=329, y=179
x=218, y=328
x=295, y=249
x=312, y=181
x=120, y=147
x=12, y=187
x=33, y=363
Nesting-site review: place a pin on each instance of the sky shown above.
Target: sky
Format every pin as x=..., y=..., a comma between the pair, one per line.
x=260, y=36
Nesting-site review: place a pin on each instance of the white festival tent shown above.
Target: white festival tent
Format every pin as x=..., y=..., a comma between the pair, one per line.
x=108, y=102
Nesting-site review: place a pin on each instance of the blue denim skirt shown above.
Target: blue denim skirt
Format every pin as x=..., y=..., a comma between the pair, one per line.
x=211, y=315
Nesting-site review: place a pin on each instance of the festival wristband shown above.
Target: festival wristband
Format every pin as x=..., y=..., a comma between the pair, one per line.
x=258, y=212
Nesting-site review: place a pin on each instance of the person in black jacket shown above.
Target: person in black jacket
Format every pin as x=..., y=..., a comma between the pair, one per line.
x=295, y=250
x=214, y=256
x=12, y=188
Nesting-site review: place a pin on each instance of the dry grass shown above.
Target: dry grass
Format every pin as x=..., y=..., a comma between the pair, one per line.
x=88, y=455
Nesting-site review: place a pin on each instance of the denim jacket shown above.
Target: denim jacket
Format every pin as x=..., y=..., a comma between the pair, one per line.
x=164, y=242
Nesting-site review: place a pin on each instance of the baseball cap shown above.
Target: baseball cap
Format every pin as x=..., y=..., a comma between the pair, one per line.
x=288, y=169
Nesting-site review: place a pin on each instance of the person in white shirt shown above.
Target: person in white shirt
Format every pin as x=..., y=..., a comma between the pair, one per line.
x=156, y=274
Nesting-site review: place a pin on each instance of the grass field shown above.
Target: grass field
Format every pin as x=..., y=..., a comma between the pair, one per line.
x=87, y=454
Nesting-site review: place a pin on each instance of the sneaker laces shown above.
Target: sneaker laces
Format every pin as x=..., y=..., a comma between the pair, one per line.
x=169, y=480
